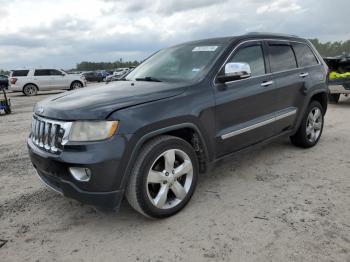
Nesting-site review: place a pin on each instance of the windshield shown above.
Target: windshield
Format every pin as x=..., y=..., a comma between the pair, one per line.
x=176, y=64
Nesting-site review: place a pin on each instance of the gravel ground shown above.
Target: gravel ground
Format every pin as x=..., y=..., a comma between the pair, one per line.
x=278, y=203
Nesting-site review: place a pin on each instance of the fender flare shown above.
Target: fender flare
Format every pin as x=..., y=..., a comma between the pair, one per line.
x=305, y=105
x=144, y=138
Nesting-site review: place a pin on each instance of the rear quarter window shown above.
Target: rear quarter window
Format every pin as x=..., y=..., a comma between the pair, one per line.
x=17, y=73
x=304, y=54
x=282, y=58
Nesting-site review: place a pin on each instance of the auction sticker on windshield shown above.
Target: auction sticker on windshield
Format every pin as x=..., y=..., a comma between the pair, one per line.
x=204, y=48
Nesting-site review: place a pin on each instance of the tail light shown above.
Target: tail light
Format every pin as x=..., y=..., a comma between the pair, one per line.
x=13, y=81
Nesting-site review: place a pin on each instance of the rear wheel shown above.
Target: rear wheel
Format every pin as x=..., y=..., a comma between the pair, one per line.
x=310, y=130
x=164, y=177
x=30, y=90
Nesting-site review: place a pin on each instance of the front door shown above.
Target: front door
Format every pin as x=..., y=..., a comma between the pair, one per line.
x=58, y=79
x=245, y=109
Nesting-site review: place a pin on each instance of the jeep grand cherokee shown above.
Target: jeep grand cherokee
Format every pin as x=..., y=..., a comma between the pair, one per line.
x=150, y=136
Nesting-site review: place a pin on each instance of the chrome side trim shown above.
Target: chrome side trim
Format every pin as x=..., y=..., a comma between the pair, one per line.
x=279, y=117
x=249, y=128
x=260, y=124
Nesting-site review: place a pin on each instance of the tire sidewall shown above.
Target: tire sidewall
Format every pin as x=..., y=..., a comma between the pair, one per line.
x=26, y=93
x=147, y=163
x=304, y=123
x=74, y=88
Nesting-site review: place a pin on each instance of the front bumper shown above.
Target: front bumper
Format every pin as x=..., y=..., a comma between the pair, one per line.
x=104, y=188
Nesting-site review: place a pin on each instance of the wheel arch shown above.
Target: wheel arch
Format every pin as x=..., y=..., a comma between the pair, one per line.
x=322, y=98
x=37, y=87
x=74, y=81
x=319, y=95
x=187, y=131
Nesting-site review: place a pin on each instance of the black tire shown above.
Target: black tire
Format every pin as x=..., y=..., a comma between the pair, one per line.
x=137, y=192
x=334, y=98
x=76, y=85
x=30, y=90
x=301, y=139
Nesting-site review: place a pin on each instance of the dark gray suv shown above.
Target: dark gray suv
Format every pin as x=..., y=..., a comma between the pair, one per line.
x=150, y=136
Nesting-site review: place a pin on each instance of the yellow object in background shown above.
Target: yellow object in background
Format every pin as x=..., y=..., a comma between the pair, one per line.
x=334, y=75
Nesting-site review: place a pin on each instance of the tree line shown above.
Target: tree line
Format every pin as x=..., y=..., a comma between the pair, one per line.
x=325, y=49
x=90, y=66
x=331, y=48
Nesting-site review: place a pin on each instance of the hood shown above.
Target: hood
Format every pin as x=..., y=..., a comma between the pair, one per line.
x=97, y=102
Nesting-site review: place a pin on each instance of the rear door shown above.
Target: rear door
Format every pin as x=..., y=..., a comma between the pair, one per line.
x=311, y=70
x=289, y=82
x=245, y=108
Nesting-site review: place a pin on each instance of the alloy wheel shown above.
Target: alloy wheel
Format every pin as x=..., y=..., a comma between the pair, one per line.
x=169, y=179
x=314, y=124
x=30, y=90
x=76, y=85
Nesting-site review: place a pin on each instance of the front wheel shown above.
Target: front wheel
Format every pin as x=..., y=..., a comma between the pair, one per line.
x=76, y=85
x=164, y=177
x=310, y=130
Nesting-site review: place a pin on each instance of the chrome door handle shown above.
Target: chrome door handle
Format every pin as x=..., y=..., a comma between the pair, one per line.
x=304, y=74
x=267, y=83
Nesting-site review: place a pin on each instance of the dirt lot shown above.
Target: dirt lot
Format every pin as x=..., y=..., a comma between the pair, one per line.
x=279, y=203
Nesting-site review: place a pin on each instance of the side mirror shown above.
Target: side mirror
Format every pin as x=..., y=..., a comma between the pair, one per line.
x=235, y=71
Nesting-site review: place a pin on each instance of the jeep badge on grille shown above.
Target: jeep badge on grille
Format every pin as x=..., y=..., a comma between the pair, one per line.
x=40, y=110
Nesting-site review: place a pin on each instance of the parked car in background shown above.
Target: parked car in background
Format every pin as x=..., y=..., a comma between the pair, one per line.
x=93, y=76
x=106, y=73
x=118, y=75
x=186, y=107
x=30, y=81
x=4, y=82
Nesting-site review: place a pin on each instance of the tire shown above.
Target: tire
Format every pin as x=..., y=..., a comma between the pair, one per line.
x=310, y=130
x=155, y=189
x=30, y=90
x=334, y=98
x=76, y=85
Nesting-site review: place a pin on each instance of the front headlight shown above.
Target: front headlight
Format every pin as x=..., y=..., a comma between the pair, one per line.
x=92, y=130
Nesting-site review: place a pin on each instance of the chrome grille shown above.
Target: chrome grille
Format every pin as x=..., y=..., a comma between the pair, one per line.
x=49, y=135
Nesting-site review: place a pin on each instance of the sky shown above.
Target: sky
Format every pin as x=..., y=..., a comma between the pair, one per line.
x=62, y=33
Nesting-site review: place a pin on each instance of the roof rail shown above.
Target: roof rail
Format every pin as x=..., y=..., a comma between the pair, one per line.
x=267, y=33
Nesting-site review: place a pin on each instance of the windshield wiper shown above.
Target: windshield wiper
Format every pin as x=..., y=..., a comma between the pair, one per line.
x=148, y=78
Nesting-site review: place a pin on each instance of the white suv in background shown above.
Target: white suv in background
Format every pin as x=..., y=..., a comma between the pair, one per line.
x=30, y=81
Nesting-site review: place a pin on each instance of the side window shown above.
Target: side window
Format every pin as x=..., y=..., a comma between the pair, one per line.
x=54, y=72
x=42, y=72
x=20, y=73
x=252, y=55
x=304, y=55
x=282, y=58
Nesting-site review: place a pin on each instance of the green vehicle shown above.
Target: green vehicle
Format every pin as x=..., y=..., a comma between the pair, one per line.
x=339, y=76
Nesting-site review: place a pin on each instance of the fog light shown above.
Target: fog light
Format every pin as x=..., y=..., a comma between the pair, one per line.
x=81, y=174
